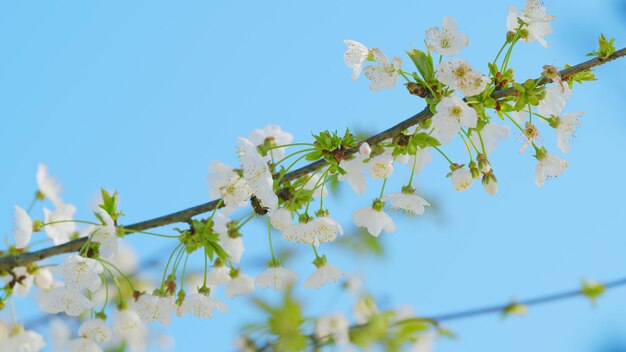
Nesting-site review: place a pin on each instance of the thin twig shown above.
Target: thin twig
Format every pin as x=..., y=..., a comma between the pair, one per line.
x=10, y=262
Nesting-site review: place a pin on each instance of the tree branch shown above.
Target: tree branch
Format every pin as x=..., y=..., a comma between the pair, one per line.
x=9, y=262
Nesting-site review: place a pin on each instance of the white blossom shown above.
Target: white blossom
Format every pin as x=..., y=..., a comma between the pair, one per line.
x=549, y=166
x=61, y=299
x=566, y=127
x=385, y=74
x=491, y=134
x=154, y=308
x=96, y=330
x=491, y=187
x=381, y=166
x=128, y=327
x=319, y=230
x=239, y=286
x=324, y=274
x=538, y=21
x=201, y=305
x=410, y=203
x=22, y=340
x=80, y=273
x=373, y=220
x=24, y=283
x=228, y=185
x=461, y=179
x=48, y=186
x=335, y=326
x=554, y=101
x=257, y=174
x=44, y=279
x=448, y=41
x=274, y=132
x=61, y=232
x=458, y=74
x=278, y=278
x=218, y=275
x=281, y=219
x=355, y=56
x=452, y=114
x=22, y=227
x=355, y=173
x=233, y=246
x=106, y=235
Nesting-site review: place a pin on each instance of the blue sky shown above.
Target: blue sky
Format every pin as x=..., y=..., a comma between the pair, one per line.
x=141, y=96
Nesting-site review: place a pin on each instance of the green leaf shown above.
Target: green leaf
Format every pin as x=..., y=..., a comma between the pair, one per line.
x=606, y=48
x=423, y=140
x=423, y=63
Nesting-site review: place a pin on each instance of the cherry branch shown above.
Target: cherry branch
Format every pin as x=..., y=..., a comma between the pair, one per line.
x=12, y=261
x=436, y=320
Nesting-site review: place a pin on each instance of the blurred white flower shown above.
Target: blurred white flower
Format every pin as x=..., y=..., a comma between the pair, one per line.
x=18, y=339
x=281, y=219
x=48, y=186
x=61, y=299
x=80, y=273
x=24, y=281
x=240, y=285
x=218, y=275
x=324, y=274
x=60, y=233
x=278, y=278
x=355, y=174
x=106, y=235
x=335, y=327
x=154, y=308
x=22, y=227
x=365, y=149
x=81, y=344
x=201, y=305
x=96, y=330
x=233, y=246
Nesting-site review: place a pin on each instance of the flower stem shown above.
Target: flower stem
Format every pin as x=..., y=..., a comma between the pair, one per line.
x=413, y=169
x=443, y=154
x=382, y=189
x=150, y=233
x=269, y=237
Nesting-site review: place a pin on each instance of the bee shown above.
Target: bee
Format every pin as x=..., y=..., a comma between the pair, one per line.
x=258, y=208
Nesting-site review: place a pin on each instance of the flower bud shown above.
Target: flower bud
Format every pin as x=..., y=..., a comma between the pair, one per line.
x=416, y=89
x=364, y=149
x=483, y=163
x=490, y=183
x=474, y=170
